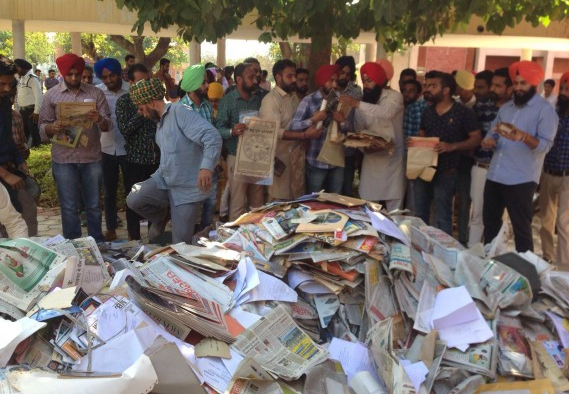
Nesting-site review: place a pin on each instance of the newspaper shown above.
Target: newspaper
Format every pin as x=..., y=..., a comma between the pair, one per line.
x=27, y=270
x=422, y=159
x=73, y=116
x=256, y=151
x=380, y=344
x=400, y=258
x=277, y=343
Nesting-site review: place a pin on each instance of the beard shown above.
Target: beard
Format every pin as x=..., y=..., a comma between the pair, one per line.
x=153, y=115
x=494, y=97
x=325, y=91
x=302, y=90
x=562, y=104
x=250, y=89
x=200, y=93
x=521, y=97
x=289, y=87
x=372, y=95
x=342, y=83
x=437, y=98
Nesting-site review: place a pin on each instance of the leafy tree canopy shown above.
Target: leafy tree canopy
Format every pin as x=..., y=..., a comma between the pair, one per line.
x=39, y=49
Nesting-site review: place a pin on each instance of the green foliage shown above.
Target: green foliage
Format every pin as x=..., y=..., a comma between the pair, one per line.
x=39, y=164
x=39, y=49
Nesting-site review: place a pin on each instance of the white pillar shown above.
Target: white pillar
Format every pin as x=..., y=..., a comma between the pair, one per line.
x=76, y=47
x=380, y=52
x=414, y=57
x=526, y=54
x=19, y=37
x=549, y=59
x=220, y=62
x=195, y=52
x=371, y=52
x=481, y=54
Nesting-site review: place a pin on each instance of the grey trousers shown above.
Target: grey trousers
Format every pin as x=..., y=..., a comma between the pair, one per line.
x=151, y=203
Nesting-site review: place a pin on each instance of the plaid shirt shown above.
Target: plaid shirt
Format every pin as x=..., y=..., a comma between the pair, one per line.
x=486, y=111
x=412, y=118
x=205, y=110
x=558, y=157
x=18, y=134
x=228, y=115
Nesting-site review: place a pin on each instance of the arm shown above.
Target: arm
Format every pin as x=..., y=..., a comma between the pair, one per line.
x=104, y=119
x=35, y=84
x=200, y=131
x=223, y=121
x=47, y=118
x=301, y=119
x=472, y=142
x=10, y=218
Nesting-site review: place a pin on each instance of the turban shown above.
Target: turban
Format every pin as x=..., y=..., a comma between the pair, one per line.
x=110, y=64
x=23, y=64
x=374, y=72
x=215, y=91
x=464, y=79
x=193, y=78
x=69, y=61
x=326, y=72
x=387, y=67
x=146, y=90
x=564, y=78
x=531, y=72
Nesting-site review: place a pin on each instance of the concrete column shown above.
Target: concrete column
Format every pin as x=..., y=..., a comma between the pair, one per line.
x=380, y=52
x=549, y=59
x=220, y=62
x=362, y=58
x=480, y=60
x=526, y=54
x=195, y=52
x=371, y=52
x=19, y=37
x=414, y=57
x=76, y=44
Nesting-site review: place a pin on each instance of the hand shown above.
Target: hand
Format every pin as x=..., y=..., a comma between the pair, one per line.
x=24, y=168
x=349, y=101
x=312, y=133
x=444, y=147
x=54, y=128
x=514, y=135
x=488, y=143
x=205, y=180
x=374, y=149
x=238, y=129
x=338, y=116
x=318, y=116
x=35, y=117
x=95, y=116
x=14, y=181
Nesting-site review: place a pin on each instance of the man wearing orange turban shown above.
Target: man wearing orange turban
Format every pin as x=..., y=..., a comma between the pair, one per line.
x=380, y=112
x=77, y=164
x=554, y=188
x=320, y=175
x=521, y=135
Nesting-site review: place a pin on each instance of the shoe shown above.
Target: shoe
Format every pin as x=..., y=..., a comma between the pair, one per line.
x=157, y=229
x=224, y=219
x=110, y=235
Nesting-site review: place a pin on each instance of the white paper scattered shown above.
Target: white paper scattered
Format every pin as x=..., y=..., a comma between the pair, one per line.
x=354, y=357
x=416, y=372
x=12, y=333
x=387, y=227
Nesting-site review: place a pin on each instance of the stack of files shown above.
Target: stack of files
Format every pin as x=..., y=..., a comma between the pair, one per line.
x=200, y=314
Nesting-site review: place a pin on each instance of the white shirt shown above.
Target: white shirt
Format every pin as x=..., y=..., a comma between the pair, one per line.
x=29, y=92
x=10, y=218
x=113, y=143
x=552, y=99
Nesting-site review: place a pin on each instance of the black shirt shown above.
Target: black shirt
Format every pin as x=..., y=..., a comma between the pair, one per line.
x=452, y=126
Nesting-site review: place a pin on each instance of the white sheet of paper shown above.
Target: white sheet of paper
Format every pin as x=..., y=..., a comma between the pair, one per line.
x=354, y=357
x=461, y=335
x=296, y=277
x=233, y=363
x=139, y=378
x=417, y=373
x=364, y=382
x=58, y=298
x=453, y=306
x=560, y=328
x=271, y=288
x=214, y=372
x=387, y=227
x=247, y=280
x=12, y=333
x=246, y=319
x=425, y=308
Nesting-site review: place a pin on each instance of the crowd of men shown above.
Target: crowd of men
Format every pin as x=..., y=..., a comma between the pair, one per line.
x=498, y=140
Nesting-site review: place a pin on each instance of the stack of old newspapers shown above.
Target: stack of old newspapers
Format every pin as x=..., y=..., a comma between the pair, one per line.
x=322, y=295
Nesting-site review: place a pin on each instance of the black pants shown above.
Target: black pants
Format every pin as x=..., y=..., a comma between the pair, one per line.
x=517, y=199
x=134, y=173
x=111, y=166
x=30, y=128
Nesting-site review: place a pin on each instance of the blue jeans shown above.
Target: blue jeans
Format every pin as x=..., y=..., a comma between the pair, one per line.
x=330, y=180
x=68, y=177
x=440, y=190
x=208, y=205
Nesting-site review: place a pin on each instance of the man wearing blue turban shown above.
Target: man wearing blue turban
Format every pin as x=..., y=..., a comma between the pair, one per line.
x=109, y=70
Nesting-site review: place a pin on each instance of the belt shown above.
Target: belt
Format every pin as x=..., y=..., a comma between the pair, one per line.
x=556, y=172
x=482, y=165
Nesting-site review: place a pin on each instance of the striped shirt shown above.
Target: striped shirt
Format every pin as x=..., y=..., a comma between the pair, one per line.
x=205, y=110
x=557, y=159
x=18, y=134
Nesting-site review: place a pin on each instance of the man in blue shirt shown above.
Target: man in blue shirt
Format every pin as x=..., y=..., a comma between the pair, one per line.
x=190, y=147
x=521, y=135
x=554, y=189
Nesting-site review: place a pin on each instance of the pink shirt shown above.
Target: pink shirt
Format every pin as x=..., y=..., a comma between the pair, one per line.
x=48, y=114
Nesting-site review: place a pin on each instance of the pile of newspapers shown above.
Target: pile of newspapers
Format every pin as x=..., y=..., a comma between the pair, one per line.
x=321, y=295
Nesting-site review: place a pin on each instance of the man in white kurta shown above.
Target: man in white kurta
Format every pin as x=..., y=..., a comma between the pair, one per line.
x=380, y=112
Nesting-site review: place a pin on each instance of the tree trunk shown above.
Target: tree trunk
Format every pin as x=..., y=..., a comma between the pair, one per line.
x=136, y=48
x=88, y=47
x=320, y=52
x=286, y=50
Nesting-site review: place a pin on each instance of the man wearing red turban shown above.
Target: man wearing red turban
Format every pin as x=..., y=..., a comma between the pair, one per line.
x=77, y=163
x=554, y=187
x=380, y=112
x=521, y=135
x=320, y=175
